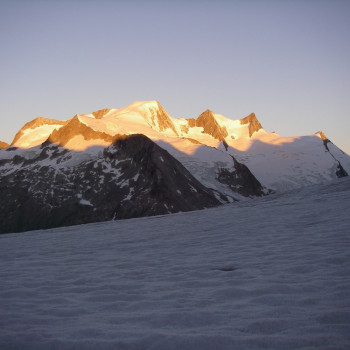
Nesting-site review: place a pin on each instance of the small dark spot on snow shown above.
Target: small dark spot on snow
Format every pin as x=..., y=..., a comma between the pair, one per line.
x=225, y=268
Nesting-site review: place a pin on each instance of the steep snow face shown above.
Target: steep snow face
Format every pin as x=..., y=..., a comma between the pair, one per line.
x=158, y=118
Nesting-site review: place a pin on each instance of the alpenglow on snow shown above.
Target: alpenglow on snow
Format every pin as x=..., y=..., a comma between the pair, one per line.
x=139, y=161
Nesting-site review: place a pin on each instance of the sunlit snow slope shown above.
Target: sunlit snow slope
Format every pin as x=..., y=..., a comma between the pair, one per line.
x=203, y=145
x=272, y=273
x=139, y=161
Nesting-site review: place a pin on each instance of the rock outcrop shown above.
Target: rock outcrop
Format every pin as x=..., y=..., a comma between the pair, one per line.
x=241, y=180
x=340, y=172
x=76, y=128
x=254, y=124
x=4, y=145
x=100, y=113
x=209, y=124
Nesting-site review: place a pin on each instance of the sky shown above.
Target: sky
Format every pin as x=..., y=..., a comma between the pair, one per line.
x=286, y=61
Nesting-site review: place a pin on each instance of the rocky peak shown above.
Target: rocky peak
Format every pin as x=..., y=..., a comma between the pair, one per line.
x=209, y=124
x=3, y=145
x=74, y=128
x=100, y=113
x=322, y=135
x=254, y=124
x=324, y=138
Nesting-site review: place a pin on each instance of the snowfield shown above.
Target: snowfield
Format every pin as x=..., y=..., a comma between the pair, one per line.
x=269, y=273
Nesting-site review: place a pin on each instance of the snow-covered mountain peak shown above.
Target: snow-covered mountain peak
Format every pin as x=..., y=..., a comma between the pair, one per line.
x=150, y=113
x=86, y=158
x=140, y=107
x=36, y=132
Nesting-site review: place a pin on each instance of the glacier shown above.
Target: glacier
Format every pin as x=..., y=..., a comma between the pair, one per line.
x=268, y=273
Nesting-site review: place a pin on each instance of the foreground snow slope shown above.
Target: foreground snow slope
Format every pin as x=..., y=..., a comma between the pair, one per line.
x=272, y=273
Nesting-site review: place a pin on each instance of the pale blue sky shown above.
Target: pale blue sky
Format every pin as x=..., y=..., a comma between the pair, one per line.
x=287, y=61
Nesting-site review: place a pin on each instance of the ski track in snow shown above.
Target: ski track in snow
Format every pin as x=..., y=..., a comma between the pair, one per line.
x=270, y=273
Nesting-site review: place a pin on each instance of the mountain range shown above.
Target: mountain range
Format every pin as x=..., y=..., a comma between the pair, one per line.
x=139, y=161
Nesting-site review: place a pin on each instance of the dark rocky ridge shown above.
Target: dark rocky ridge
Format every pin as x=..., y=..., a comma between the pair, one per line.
x=241, y=180
x=131, y=178
x=341, y=172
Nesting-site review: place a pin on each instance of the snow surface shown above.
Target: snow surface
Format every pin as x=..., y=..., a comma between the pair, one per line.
x=36, y=136
x=284, y=163
x=268, y=273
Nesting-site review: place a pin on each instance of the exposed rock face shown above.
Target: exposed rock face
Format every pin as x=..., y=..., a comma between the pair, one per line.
x=167, y=186
x=36, y=123
x=241, y=180
x=76, y=128
x=3, y=145
x=210, y=126
x=322, y=135
x=101, y=113
x=324, y=138
x=340, y=172
x=253, y=122
x=133, y=177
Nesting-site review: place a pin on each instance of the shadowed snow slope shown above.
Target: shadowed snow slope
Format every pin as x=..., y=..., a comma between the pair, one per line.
x=272, y=273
